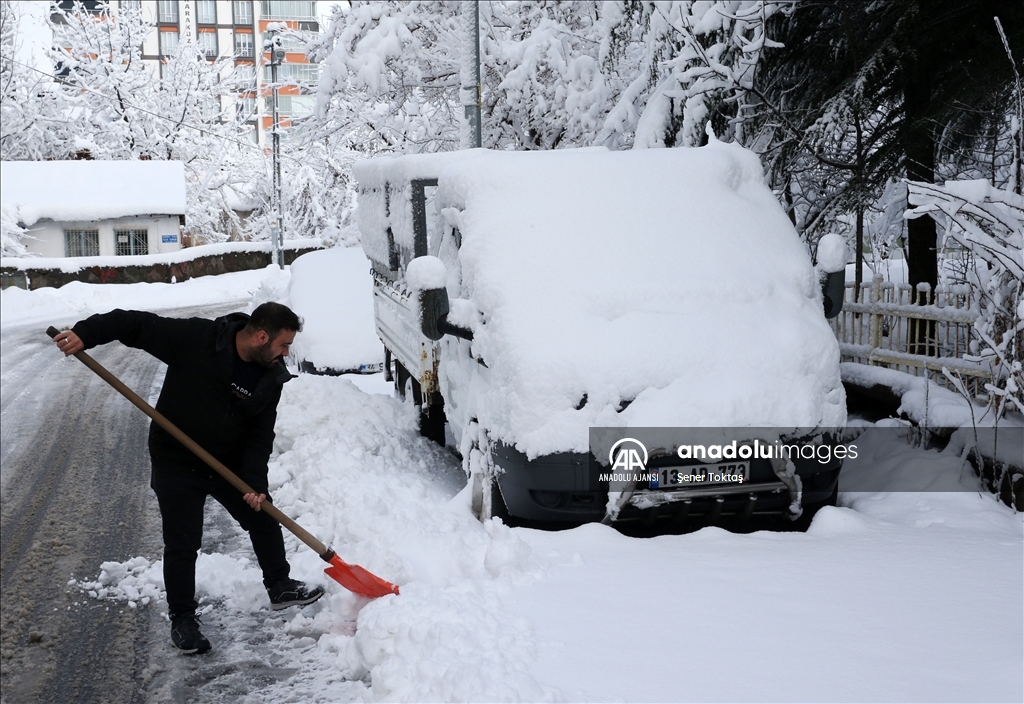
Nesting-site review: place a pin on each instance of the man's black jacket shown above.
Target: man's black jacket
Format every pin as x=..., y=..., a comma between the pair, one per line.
x=197, y=395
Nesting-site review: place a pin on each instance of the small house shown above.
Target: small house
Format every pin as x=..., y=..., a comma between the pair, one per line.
x=96, y=208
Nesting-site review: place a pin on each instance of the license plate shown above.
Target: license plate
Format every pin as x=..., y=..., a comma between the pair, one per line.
x=700, y=475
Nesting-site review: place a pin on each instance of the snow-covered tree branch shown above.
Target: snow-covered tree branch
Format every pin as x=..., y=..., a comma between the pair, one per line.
x=988, y=224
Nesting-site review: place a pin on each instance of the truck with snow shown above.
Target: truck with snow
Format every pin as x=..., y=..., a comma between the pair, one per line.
x=543, y=304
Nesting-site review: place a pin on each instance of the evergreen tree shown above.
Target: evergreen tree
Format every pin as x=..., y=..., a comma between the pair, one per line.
x=877, y=90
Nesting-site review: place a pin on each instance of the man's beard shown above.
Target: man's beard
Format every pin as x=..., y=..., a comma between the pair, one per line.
x=264, y=355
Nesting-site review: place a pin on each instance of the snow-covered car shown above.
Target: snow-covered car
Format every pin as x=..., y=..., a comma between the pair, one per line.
x=335, y=339
x=532, y=297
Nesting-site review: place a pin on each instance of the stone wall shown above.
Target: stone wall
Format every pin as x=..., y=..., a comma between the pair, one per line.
x=154, y=273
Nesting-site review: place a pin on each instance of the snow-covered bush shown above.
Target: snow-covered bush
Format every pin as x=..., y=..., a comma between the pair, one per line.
x=988, y=223
x=318, y=191
x=12, y=234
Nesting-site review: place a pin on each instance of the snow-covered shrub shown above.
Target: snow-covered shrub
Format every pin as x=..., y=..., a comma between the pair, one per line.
x=318, y=192
x=988, y=223
x=12, y=235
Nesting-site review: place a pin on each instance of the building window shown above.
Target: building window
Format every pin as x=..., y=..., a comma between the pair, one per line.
x=167, y=12
x=211, y=109
x=245, y=77
x=208, y=43
x=131, y=5
x=168, y=43
x=293, y=44
x=127, y=242
x=244, y=47
x=246, y=108
x=300, y=73
x=291, y=105
x=206, y=12
x=243, y=12
x=81, y=243
x=288, y=10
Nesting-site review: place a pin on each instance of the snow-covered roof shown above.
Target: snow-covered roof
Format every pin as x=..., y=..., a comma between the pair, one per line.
x=91, y=190
x=668, y=278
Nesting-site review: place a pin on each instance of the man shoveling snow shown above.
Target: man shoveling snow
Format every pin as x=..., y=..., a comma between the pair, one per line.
x=223, y=384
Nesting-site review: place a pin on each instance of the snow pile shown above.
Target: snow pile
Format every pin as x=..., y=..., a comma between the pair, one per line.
x=235, y=581
x=92, y=190
x=923, y=401
x=832, y=254
x=354, y=472
x=425, y=273
x=75, y=300
x=835, y=600
x=333, y=292
x=980, y=190
x=137, y=581
x=667, y=278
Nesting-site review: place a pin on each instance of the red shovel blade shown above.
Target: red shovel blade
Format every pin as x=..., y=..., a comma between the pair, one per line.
x=358, y=580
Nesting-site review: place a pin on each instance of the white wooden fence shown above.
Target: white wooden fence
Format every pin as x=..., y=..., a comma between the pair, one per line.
x=918, y=332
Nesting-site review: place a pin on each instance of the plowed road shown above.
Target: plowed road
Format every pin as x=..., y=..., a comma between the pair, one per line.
x=75, y=492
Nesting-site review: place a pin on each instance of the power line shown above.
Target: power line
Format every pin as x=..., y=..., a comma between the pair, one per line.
x=198, y=128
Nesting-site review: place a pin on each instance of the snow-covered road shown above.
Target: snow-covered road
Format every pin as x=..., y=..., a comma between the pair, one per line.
x=74, y=468
x=891, y=596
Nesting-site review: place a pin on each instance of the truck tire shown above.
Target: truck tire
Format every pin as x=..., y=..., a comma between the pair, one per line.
x=407, y=387
x=804, y=522
x=498, y=507
x=432, y=418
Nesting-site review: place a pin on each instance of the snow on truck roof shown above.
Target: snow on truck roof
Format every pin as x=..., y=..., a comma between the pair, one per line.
x=667, y=278
x=91, y=190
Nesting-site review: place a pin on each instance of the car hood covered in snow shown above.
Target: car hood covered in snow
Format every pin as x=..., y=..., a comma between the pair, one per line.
x=660, y=287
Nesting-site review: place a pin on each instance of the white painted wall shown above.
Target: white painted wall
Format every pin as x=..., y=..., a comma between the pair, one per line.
x=49, y=235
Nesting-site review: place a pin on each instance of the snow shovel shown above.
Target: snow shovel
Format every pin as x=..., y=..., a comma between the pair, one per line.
x=353, y=577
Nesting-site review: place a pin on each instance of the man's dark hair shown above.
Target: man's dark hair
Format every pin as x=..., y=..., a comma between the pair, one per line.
x=272, y=318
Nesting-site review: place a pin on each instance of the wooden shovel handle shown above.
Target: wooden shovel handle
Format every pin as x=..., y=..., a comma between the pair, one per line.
x=301, y=533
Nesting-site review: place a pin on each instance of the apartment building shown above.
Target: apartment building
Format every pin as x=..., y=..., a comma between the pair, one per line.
x=237, y=29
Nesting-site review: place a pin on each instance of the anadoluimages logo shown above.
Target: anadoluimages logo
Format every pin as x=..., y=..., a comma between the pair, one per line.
x=627, y=459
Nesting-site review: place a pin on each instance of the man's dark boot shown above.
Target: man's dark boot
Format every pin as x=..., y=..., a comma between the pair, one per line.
x=291, y=592
x=186, y=635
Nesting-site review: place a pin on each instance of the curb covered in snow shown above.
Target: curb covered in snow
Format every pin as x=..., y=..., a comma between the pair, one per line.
x=950, y=421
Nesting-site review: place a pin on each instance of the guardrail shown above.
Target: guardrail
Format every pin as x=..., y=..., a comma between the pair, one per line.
x=915, y=331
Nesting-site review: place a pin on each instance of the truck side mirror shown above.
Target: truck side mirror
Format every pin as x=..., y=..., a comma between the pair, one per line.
x=427, y=275
x=833, y=290
x=433, y=308
x=832, y=263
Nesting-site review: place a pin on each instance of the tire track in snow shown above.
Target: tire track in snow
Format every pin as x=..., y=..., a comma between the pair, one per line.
x=76, y=496
x=75, y=493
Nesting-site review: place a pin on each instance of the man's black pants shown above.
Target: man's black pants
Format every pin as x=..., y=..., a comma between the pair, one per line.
x=182, y=496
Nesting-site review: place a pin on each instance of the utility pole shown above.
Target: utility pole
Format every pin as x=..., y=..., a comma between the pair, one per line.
x=476, y=61
x=474, y=111
x=276, y=225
